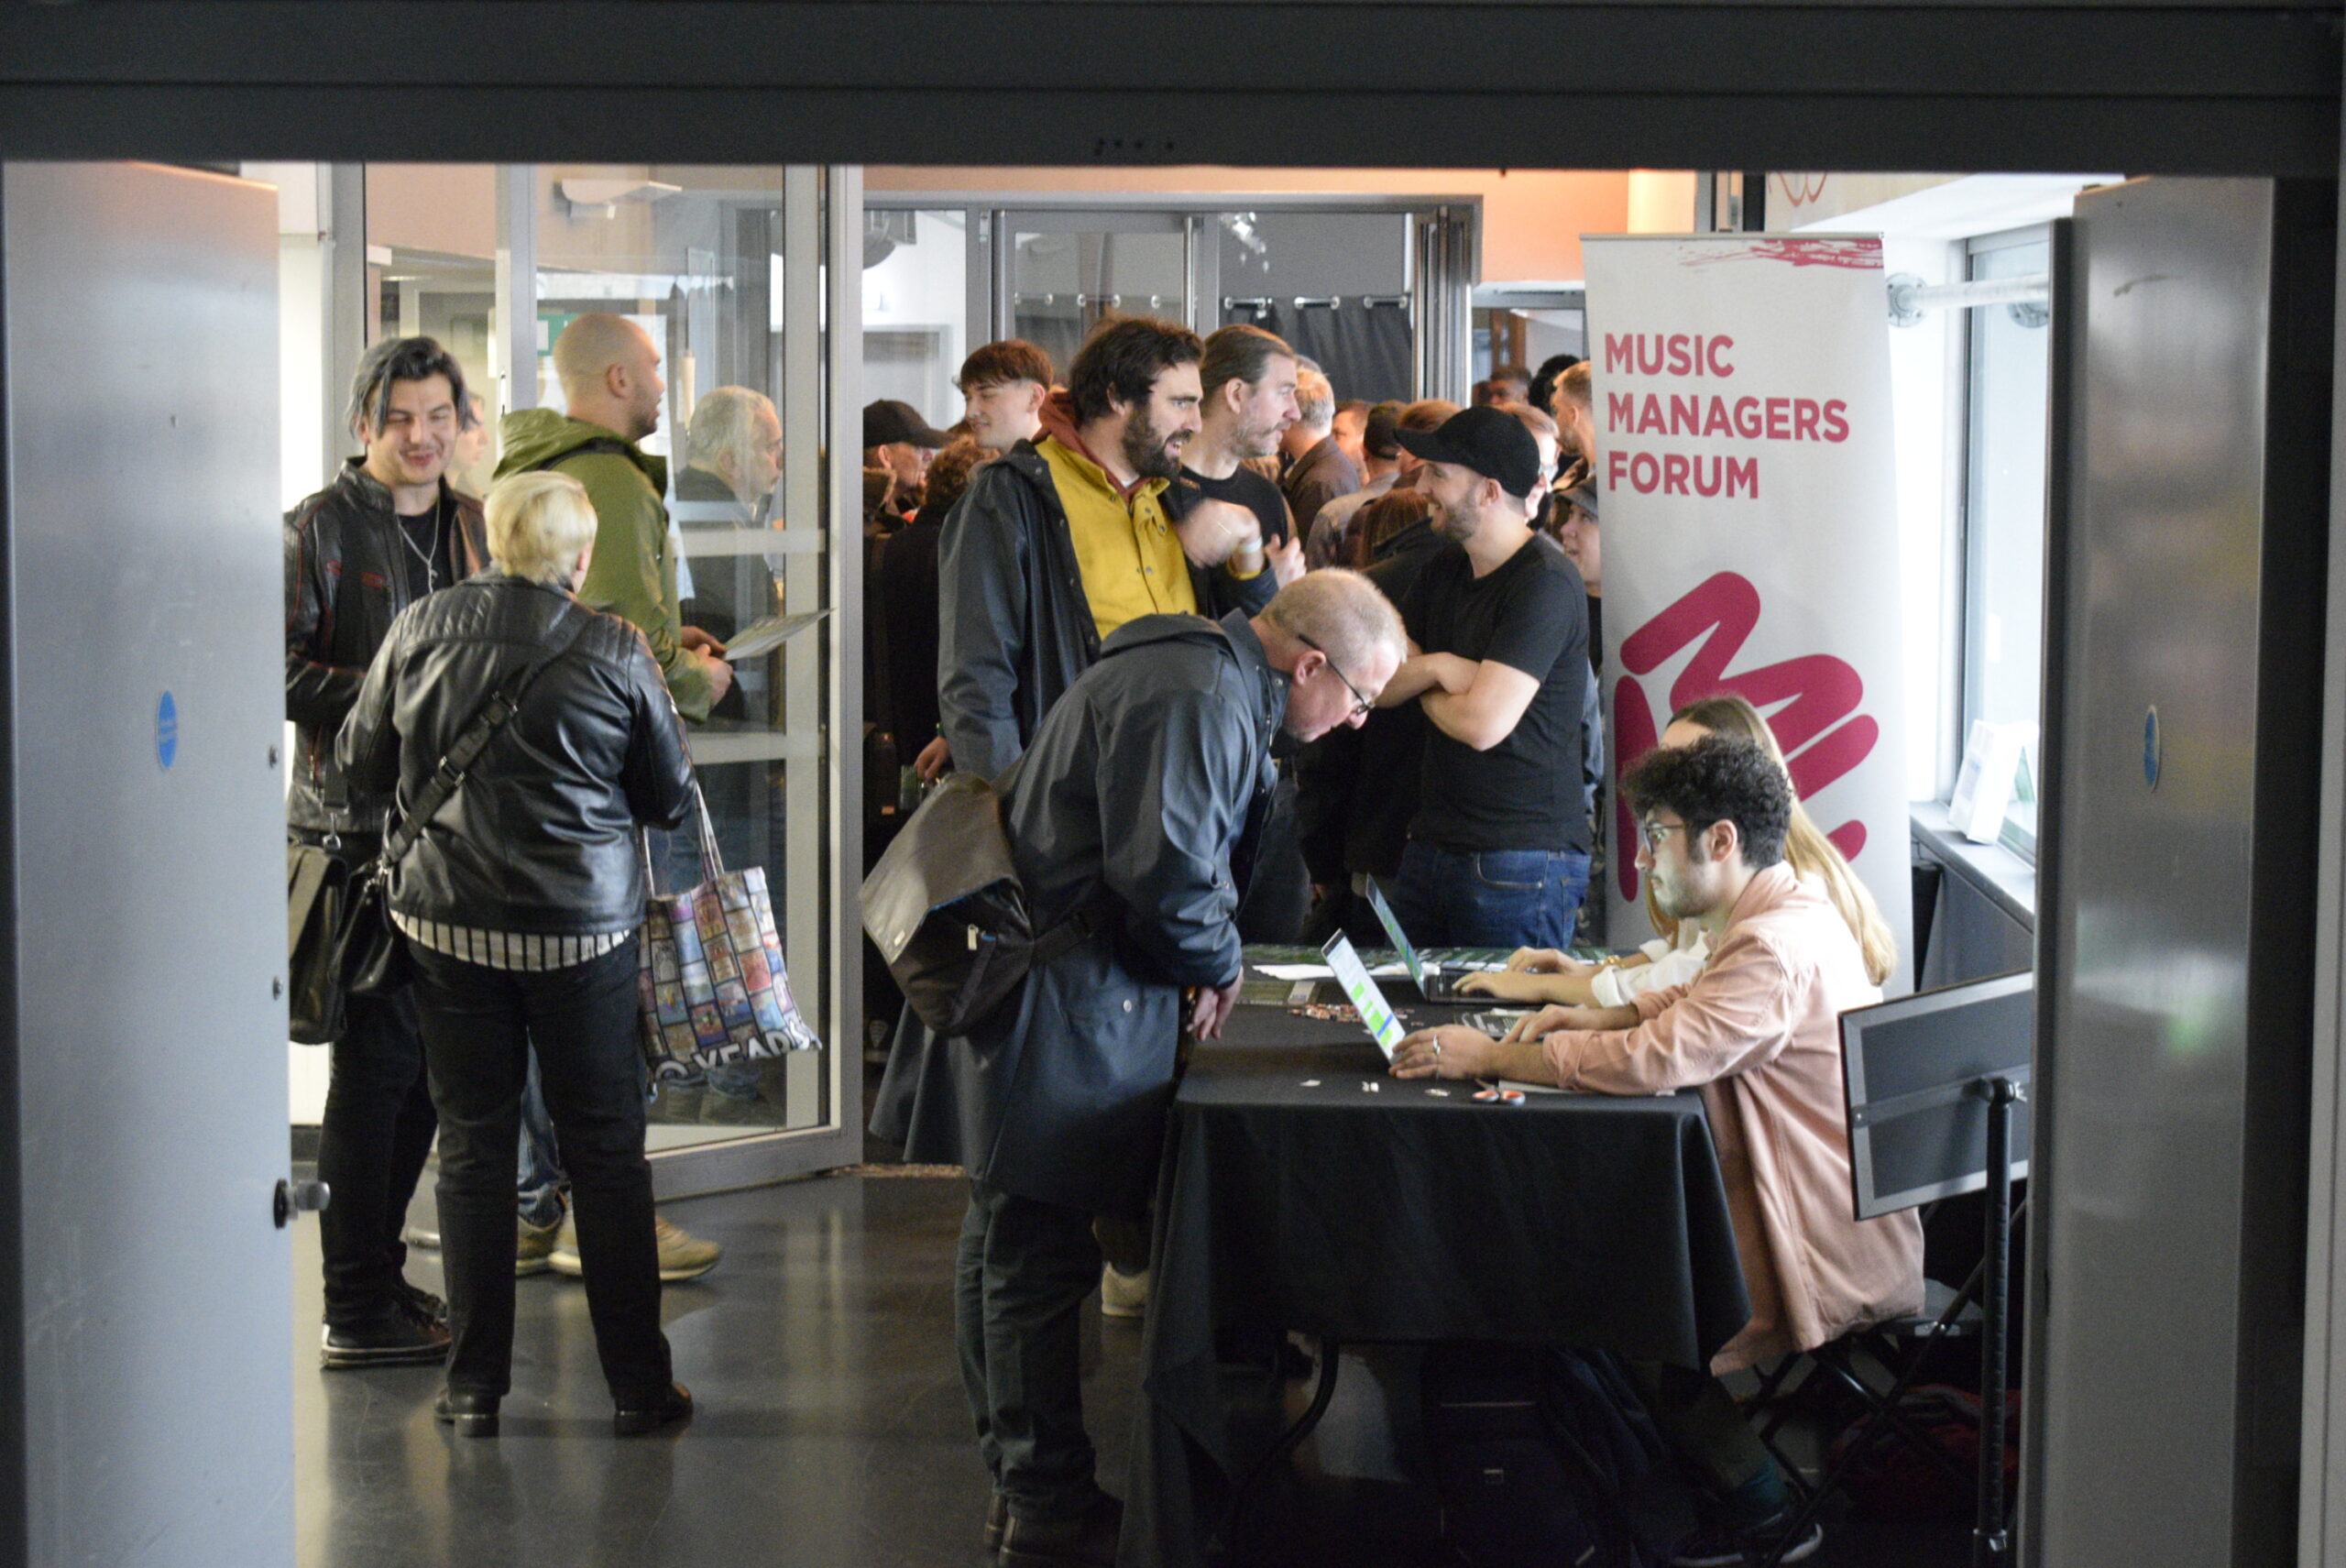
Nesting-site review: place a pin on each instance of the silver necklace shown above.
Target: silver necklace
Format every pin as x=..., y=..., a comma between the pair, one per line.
x=432, y=561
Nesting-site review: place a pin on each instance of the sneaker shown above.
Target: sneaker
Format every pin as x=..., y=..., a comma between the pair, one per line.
x=416, y=1235
x=682, y=1256
x=1122, y=1295
x=1088, y=1540
x=393, y=1340
x=418, y=1304
x=534, y=1246
x=1721, y=1546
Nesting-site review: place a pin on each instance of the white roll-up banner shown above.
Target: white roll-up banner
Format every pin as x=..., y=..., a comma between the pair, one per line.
x=1743, y=434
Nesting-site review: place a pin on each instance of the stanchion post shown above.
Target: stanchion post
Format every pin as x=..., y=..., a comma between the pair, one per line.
x=1990, y=1542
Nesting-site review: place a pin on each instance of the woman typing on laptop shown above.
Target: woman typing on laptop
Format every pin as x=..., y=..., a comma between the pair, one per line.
x=1678, y=953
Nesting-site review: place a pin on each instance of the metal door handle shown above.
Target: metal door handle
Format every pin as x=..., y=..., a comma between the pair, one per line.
x=300, y=1198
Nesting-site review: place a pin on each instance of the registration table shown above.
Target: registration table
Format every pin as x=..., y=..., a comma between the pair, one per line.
x=1304, y=1188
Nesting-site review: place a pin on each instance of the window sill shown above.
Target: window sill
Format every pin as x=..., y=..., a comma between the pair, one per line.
x=1997, y=874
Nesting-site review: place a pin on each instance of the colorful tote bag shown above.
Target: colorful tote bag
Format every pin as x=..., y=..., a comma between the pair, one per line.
x=710, y=984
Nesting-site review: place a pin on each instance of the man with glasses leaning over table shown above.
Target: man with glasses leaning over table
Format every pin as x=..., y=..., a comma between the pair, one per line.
x=1758, y=1033
x=1135, y=809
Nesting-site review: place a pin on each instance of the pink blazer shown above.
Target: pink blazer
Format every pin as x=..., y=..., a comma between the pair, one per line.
x=1757, y=1033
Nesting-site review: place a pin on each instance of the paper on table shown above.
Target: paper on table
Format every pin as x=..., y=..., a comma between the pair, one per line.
x=1552, y=1088
x=1321, y=972
x=766, y=635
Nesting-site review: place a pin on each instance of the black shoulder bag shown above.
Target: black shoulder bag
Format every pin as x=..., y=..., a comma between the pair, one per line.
x=946, y=909
x=343, y=943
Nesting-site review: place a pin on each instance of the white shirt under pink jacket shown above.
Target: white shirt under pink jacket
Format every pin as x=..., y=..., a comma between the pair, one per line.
x=1757, y=1032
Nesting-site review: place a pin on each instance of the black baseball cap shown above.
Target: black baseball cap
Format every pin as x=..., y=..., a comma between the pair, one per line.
x=889, y=421
x=1490, y=441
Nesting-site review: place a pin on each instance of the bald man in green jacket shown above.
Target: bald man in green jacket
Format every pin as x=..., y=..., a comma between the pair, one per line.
x=610, y=377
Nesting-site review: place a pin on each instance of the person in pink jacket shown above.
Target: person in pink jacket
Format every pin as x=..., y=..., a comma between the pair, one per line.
x=1758, y=1035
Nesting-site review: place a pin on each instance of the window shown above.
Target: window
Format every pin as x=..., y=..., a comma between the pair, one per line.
x=2004, y=513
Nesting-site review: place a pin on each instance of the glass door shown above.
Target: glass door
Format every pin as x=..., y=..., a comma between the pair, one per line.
x=1060, y=273
x=727, y=270
x=1336, y=285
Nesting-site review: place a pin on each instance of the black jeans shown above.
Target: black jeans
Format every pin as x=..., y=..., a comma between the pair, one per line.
x=479, y=1024
x=372, y=1142
x=1020, y=1278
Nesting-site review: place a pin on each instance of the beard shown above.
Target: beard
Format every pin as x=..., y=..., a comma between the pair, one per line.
x=1452, y=523
x=1146, y=450
x=1258, y=440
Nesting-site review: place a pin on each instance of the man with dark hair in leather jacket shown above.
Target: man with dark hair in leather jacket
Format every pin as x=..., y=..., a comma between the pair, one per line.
x=388, y=530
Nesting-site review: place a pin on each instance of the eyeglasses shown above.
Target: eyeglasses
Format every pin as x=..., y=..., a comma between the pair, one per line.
x=1362, y=702
x=1652, y=834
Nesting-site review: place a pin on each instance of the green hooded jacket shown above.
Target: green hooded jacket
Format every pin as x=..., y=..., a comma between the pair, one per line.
x=633, y=574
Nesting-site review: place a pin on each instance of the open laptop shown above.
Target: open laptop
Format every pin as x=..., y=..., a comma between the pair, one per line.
x=1375, y=1015
x=1431, y=983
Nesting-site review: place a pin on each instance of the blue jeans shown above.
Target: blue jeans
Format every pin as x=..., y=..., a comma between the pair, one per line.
x=1488, y=898
x=539, y=1187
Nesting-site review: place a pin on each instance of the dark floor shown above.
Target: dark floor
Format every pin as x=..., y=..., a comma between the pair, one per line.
x=831, y=1431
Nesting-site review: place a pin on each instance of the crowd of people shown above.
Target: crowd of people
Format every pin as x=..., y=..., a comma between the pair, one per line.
x=1233, y=653
x=1179, y=522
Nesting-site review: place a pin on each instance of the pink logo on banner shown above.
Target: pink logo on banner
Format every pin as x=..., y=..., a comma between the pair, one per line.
x=1818, y=692
x=1795, y=250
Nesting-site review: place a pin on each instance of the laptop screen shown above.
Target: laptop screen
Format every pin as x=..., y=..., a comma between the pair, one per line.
x=1353, y=975
x=1409, y=959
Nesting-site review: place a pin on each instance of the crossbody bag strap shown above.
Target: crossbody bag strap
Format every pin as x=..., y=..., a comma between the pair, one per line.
x=448, y=777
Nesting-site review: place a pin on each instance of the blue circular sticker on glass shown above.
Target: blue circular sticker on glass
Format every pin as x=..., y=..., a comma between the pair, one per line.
x=2151, y=749
x=167, y=731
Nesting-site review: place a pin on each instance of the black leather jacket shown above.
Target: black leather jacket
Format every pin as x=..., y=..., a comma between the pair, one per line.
x=344, y=584
x=542, y=837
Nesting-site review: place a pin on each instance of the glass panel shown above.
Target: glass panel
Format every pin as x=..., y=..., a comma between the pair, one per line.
x=1336, y=285
x=915, y=308
x=1064, y=282
x=697, y=257
x=2005, y=518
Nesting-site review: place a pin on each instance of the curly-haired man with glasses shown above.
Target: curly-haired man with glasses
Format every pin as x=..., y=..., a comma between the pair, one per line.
x=1757, y=1033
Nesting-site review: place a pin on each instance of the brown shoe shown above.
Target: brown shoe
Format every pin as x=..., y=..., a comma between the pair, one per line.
x=1088, y=1540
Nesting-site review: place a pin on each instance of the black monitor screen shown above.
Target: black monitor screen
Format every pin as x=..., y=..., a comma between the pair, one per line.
x=1917, y=1131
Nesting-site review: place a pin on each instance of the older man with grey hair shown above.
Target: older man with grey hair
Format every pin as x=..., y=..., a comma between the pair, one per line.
x=1126, y=812
x=732, y=461
x=1317, y=470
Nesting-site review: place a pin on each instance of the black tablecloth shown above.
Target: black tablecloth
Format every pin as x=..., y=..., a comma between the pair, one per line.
x=1294, y=1195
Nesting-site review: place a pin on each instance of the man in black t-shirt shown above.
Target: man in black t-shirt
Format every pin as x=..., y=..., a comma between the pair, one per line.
x=1498, y=625
x=1249, y=378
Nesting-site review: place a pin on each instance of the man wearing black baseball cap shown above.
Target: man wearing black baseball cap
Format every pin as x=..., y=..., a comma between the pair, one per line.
x=896, y=438
x=1498, y=849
